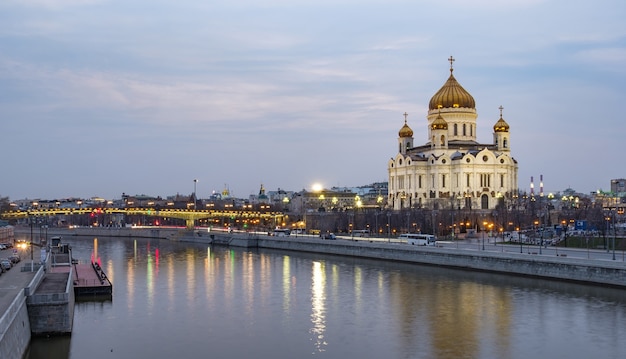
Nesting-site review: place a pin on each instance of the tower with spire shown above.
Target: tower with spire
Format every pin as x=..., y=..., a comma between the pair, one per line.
x=452, y=169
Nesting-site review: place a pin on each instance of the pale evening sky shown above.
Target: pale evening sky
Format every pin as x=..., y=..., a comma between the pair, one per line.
x=100, y=97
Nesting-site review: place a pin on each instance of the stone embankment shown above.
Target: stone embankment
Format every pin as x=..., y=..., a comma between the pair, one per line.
x=561, y=268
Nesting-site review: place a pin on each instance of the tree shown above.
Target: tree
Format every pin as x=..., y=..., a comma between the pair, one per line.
x=4, y=204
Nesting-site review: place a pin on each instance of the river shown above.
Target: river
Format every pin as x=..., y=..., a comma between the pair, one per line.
x=186, y=300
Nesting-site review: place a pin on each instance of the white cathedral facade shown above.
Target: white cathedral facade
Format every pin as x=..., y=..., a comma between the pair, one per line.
x=452, y=170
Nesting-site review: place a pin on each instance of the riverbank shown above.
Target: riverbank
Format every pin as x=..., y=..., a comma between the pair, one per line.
x=597, y=272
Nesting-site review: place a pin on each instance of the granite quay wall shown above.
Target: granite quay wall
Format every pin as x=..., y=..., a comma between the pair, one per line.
x=15, y=330
x=569, y=269
x=52, y=313
x=561, y=268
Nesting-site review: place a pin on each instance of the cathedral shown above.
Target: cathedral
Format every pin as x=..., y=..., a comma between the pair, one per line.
x=452, y=170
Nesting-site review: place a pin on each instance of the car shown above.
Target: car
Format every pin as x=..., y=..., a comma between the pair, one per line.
x=15, y=259
x=6, y=264
x=328, y=236
x=3, y=246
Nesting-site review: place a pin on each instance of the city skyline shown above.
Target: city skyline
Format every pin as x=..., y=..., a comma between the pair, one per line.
x=103, y=97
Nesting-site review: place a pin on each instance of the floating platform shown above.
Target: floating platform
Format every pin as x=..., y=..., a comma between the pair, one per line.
x=90, y=280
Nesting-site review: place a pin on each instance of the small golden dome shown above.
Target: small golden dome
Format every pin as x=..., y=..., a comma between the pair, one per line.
x=501, y=125
x=451, y=95
x=405, y=131
x=439, y=124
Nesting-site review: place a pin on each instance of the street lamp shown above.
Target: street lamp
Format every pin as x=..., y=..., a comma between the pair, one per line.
x=541, y=242
x=388, y=227
x=195, y=181
x=484, y=228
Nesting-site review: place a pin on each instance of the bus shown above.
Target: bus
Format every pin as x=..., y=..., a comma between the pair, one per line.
x=278, y=232
x=360, y=233
x=418, y=239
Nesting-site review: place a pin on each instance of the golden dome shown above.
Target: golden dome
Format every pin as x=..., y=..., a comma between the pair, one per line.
x=405, y=131
x=451, y=95
x=439, y=124
x=501, y=125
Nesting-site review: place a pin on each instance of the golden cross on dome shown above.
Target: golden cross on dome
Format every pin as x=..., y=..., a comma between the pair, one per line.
x=501, y=108
x=405, y=115
x=451, y=59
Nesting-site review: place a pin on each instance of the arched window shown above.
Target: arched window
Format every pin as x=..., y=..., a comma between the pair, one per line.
x=443, y=140
x=484, y=201
x=456, y=130
x=505, y=143
x=464, y=130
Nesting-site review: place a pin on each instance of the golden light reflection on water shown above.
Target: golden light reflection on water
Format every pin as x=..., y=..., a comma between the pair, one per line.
x=130, y=278
x=190, y=260
x=318, y=306
x=149, y=279
x=286, y=284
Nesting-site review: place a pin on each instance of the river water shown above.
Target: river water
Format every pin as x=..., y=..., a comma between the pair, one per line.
x=185, y=300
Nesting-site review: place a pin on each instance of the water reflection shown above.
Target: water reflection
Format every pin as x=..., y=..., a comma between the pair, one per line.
x=318, y=304
x=226, y=303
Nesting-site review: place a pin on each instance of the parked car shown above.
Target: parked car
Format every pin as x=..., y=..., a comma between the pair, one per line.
x=3, y=246
x=15, y=259
x=6, y=264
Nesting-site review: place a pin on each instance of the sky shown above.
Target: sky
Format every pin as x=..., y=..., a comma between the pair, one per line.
x=104, y=97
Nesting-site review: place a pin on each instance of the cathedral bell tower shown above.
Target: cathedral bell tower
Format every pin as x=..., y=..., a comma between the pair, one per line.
x=501, y=134
x=405, y=137
x=439, y=133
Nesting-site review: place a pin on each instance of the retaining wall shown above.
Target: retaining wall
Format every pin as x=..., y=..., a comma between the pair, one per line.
x=562, y=268
x=52, y=313
x=15, y=325
x=569, y=269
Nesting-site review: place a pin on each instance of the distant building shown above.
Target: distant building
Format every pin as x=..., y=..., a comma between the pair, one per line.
x=618, y=185
x=452, y=170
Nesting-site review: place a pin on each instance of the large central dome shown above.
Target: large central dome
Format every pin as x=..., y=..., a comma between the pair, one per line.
x=451, y=95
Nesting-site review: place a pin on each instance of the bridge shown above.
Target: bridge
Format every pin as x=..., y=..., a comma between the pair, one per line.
x=189, y=216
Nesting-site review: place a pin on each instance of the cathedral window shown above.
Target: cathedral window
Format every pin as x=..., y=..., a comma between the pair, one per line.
x=467, y=179
x=471, y=130
x=443, y=140
x=419, y=181
x=501, y=180
x=485, y=180
x=456, y=130
x=400, y=182
x=505, y=143
x=443, y=181
x=464, y=131
x=432, y=181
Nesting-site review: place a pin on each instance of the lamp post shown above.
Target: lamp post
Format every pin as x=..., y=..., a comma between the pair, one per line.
x=388, y=226
x=484, y=228
x=614, y=229
x=536, y=223
x=195, y=181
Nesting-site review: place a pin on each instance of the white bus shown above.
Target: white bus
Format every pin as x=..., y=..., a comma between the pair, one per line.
x=418, y=239
x=278, y=232
x=360, y=233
